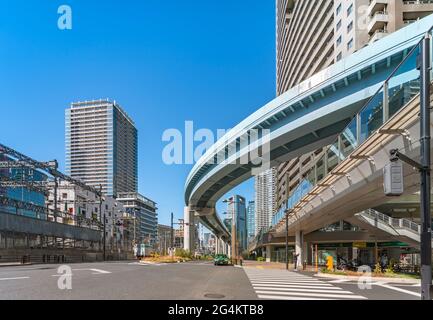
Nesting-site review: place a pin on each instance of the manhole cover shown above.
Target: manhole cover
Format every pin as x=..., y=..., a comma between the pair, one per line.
x=214, y=296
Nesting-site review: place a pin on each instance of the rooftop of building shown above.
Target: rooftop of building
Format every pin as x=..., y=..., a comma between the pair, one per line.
x=101, y=102
x=124, y=196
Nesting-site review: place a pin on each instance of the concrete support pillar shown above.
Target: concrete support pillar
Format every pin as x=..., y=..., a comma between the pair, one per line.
x=217, y=245
x=307, y=253
x=268, y=253
x=299, y=248
x=188, y=231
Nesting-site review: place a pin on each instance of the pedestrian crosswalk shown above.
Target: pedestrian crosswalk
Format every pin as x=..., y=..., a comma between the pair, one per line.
x=285, y=285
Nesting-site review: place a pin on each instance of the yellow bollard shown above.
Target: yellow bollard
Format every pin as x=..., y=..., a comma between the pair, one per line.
x=330, y=263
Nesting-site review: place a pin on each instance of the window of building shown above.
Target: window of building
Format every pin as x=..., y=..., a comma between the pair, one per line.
x=339, y=9
x=64, y=195
x=339, y=56
x=350, y=26
x=339, y=39
x=350, y=44
x=350, y=9
x=338, y=25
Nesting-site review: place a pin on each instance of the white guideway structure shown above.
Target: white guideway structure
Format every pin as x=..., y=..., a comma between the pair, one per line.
x=305, y=118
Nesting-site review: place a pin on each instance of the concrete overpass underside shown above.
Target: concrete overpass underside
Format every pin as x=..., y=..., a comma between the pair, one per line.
x=356, y=184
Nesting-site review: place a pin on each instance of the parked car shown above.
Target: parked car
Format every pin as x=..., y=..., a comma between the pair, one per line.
x=221, y=259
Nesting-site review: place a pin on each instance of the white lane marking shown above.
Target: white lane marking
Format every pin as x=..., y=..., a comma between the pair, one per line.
x=295, y=286
x=340, y=281
x=99, y=271
x=286, y=279
x=383, y=285
x=16, y=278
x=302, y=290
x=320, y=295
x=290, y=286
x=147, y=264
x=273, y=297
x=325, y=285
x=95, y=271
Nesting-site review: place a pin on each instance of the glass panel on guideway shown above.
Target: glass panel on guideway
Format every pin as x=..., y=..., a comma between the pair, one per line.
x=389, y=99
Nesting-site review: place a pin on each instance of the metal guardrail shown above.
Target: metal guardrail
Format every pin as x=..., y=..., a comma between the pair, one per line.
x=393, y=222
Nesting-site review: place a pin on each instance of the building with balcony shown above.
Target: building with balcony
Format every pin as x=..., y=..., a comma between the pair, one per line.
x=265, y=199
x=82, y=206
x=101, y=146
x=144, y=213
x=353, y=24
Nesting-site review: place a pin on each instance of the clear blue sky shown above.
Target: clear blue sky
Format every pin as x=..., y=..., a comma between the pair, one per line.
x=165, y=62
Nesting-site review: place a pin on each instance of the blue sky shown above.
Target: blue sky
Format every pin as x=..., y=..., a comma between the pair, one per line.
x=165, y=62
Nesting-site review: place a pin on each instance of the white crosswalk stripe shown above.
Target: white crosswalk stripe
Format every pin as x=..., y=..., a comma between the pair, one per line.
x=284, y=285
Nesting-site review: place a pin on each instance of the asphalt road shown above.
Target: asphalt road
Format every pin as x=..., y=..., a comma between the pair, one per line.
x=125, y=280
x=186, y=281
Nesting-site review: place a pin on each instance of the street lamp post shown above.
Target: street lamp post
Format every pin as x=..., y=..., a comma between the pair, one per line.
x=102, y=216
x=287, y=240
x=172, y=232
x=426, y=236
x=424, y=65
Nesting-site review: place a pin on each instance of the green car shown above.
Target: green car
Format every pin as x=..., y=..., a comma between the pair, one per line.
x=221, y=259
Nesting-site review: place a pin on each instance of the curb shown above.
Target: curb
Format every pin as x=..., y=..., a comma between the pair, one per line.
x=381, y=279
x=15, y=264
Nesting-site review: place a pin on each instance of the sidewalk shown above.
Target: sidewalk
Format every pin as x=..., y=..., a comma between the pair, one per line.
x=357, y=278
x=14, y=264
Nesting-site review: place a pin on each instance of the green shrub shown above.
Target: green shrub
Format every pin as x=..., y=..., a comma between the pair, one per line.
x=260, y=259
x=377, y=269
x=183, y=253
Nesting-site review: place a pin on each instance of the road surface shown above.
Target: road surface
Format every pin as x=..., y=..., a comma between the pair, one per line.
x=185, y=281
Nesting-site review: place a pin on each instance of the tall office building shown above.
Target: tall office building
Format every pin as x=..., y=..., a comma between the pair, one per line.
x=311, y=35
x=101, y=146
x=265, y=202
x=251, y=219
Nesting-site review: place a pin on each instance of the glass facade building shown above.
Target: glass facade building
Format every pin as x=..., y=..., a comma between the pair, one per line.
x=22, y=194
x=237, y=209
x=251, y=219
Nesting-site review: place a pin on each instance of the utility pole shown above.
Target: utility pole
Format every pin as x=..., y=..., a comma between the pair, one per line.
x=56, y=187
x=426, y=235
x=103, y=217
x=423, y=166
x=172, y=232
x=287, y=240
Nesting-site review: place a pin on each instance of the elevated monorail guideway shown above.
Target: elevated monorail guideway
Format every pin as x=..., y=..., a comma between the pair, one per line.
x=307, y=117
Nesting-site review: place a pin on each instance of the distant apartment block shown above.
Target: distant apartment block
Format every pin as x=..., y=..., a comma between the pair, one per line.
x=101, y=146
x=265, y=187
x=144, y=212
